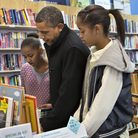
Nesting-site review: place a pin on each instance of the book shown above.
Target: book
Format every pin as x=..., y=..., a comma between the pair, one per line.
x=4, y=15
x=17, y=93
x=16, y=17
x=27, y=16
x=32, y=104
x=22, y=18
x=31, y=17
x=8, y=17
x=134, y=79
x=12, y=16
x=1, y=17
x=41, y=114
x=6, y=111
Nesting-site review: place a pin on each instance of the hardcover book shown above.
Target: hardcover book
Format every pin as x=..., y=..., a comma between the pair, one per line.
x=17, y=93
x=32, y=103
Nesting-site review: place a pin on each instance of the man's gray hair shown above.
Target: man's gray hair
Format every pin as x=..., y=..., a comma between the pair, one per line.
x=51, y=15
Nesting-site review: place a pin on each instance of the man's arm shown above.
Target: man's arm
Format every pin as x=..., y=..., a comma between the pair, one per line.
x=70, y=91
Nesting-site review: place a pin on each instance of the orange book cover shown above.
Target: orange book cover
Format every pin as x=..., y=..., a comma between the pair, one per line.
x=8, y=17
x=32, y=103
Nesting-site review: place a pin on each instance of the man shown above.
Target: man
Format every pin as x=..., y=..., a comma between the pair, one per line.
x=67, y=57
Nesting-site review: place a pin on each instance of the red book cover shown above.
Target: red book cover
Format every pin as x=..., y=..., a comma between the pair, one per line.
x=8, y=17
x=31, y=16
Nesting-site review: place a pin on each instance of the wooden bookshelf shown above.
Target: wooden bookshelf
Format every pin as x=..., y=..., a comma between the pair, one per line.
x=18, y=27
x=21, y=4
x=10, y=71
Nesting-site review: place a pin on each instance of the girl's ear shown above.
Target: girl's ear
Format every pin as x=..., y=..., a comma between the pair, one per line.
x=41, y=50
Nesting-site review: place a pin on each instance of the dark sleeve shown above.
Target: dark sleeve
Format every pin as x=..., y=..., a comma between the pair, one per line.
x=70, y=92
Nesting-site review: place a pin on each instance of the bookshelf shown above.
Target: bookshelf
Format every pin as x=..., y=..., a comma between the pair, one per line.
x=10, y=52
x=17, y=27
x=5, y=29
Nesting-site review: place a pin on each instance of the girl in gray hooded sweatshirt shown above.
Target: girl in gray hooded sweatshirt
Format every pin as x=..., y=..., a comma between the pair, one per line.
x=106, y=105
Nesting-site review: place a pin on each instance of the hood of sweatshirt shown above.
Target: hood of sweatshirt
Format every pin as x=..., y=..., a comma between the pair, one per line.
x=116, y=57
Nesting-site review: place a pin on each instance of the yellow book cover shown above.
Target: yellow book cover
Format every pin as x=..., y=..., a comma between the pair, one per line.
x=1, y=80
x=25, y=18
x=135, y=99
x=32, y=104
x=6, y=79
x=1, y=17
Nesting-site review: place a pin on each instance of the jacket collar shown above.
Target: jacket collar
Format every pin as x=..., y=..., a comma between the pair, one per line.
x=60, y=39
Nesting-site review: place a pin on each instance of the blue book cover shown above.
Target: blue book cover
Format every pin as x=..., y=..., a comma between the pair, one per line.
x=16, y=17
x=12, y=14
x=22, y=18
x=17, y=93
x=11, y=18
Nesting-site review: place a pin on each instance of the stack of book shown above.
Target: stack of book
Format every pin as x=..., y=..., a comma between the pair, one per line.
x=14, y=17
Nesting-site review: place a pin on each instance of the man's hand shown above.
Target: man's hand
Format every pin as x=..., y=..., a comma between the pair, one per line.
x=49, y=106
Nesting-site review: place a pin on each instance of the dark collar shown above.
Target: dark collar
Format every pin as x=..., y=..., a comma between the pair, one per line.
x=60, y=39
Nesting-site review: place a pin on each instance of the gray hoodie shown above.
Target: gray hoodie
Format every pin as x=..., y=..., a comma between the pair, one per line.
x=109, y=89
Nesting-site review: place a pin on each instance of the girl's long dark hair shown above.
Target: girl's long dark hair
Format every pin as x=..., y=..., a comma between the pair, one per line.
x=95, y=14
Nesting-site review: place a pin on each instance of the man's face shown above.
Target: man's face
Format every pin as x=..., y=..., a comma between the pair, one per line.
x=48, y=34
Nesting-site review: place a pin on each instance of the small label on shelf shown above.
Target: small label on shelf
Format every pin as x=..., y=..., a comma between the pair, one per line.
x=12, y=26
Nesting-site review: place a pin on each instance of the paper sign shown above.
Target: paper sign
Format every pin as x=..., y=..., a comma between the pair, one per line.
x=78, y=131
x=73, y=125
x=18, y=131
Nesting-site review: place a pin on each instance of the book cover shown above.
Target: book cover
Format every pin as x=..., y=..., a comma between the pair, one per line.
x=32, y=103
x=12, y=16
x=22, y=18
x=16, y=17
x=17, y=93
x=1, y=17
x=31, y=17
x=134, y=79
x=8, y=17
x=6, y=111
x=4, y=15
x=25, y=18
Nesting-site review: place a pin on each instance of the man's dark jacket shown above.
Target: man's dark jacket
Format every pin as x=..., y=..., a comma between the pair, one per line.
x=67, y=60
